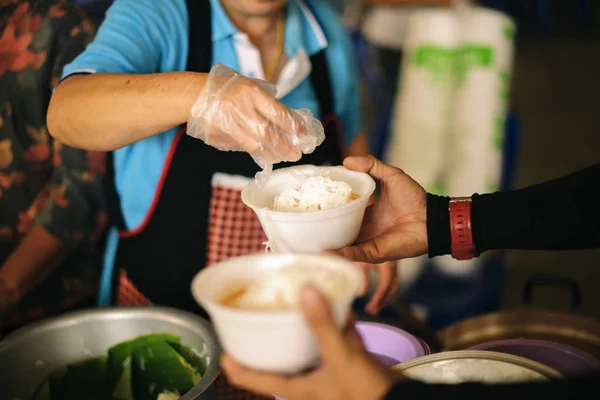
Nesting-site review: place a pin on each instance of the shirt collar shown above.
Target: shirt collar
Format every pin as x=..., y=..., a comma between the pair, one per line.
x=302, y=29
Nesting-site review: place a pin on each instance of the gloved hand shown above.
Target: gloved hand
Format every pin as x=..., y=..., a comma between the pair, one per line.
x=236, y=113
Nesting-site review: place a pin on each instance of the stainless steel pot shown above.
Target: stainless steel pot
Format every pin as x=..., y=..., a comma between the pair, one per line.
x=31, y=353
x=572, y=328
x=565, y=359
x=476, y=366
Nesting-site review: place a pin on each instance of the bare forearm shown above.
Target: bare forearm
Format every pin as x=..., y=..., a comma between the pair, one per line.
x=108, y=111
x=38, y=254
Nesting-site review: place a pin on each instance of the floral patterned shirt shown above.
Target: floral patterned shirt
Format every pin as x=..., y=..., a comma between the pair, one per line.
x=42, y=181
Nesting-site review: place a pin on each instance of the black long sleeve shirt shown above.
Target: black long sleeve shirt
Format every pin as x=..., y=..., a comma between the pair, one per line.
x=561, y=214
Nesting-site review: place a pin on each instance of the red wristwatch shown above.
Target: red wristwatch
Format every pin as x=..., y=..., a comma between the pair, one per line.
x=461, y=234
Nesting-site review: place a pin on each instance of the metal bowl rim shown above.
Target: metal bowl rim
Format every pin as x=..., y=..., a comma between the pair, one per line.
x=537, y=344
x=212, y=371
x=547, y=372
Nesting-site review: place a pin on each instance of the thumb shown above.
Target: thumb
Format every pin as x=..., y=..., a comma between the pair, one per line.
x=318, y=314
x=371, y=165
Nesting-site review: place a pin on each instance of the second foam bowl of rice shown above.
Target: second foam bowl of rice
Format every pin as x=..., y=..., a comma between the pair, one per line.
x=254, y=303
x=310, y=209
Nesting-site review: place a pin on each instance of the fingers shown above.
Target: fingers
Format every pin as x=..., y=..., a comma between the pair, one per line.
x=258, y=382
x=372, y=251
x=360, y=253
x=376, y=302
x=288, y=133
x=371, y=165
x=239, y=113
x=386, y=287
x=266, y=86
x=287, y=121
x=278, y=145
x=365, y=285
x=265, y=141
x=318, y=314
x=283, y=127
x=392, y=292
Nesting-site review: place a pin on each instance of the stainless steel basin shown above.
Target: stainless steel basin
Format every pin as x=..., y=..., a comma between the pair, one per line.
x=31, y=353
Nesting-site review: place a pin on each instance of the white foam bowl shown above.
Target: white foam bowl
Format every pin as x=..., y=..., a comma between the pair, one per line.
x=309, y=231
x=273, y=341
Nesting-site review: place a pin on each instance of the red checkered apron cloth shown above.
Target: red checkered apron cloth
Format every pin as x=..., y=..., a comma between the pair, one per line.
x=233, y=230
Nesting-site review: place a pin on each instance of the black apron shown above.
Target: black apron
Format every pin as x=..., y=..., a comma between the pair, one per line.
x=156, y=263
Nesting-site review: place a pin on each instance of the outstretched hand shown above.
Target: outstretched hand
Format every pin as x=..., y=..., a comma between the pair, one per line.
x=395, y=226
x=347, y=372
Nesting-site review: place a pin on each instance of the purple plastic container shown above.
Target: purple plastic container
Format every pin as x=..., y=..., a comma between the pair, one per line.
x=390, y=344
x=563, y=358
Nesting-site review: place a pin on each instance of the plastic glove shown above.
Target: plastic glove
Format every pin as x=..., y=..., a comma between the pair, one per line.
x=236, y=113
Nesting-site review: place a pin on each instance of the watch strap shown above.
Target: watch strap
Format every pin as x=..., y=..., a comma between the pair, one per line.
x=461, y=232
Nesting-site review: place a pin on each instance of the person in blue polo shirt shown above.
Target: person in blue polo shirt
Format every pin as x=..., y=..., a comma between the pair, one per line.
x=174, y=200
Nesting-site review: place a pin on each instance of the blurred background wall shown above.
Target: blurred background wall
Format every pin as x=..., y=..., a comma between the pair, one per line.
x=556, y=95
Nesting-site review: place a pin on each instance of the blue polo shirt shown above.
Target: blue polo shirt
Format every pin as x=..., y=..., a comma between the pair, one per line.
x=149, y=36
